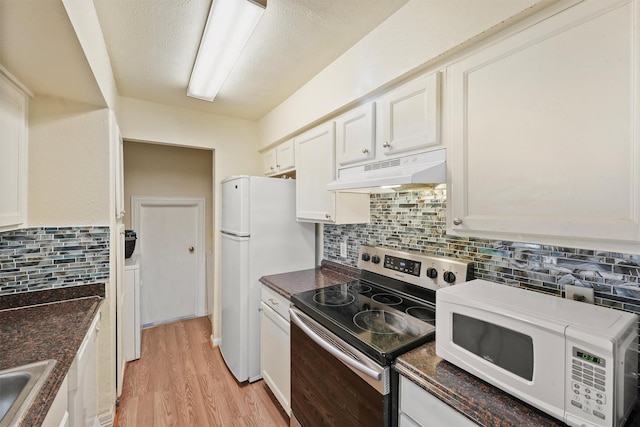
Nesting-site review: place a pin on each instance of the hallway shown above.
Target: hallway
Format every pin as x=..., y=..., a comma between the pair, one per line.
x=180, y=380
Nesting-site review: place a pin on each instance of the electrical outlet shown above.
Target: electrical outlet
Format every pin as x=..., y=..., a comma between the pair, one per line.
x=579, y=293
x=343, y=249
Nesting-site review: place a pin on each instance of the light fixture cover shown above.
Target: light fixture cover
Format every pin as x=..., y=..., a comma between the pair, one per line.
x=229, y=26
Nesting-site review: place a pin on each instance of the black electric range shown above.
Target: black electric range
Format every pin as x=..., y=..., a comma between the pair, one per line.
x=391, y=308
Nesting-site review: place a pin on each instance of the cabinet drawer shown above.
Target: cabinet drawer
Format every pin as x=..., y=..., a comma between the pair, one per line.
x=424, y=409
x=276, y=301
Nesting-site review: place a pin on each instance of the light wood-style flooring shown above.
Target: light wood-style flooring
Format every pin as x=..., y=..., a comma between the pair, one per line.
x=181, y=380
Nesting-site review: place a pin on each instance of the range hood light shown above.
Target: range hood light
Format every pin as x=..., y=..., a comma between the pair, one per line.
x=390, y=186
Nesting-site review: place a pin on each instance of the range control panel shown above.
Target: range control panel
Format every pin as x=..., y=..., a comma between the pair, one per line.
x=414, y=267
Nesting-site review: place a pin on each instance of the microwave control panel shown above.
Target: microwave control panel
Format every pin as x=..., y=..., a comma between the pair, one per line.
x=591, y=391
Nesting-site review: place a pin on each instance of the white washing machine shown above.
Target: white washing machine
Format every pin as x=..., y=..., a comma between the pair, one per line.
x=131, y=315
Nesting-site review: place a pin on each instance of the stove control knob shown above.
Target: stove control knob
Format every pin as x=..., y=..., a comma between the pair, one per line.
x=375, y=259
x=449, y=277
x=432, y=273
x=366, y=257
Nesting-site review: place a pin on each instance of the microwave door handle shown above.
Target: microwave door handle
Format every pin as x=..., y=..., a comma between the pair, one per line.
x=334, y=351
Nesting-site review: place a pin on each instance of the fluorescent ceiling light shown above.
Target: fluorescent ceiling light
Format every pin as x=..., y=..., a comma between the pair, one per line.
x=229, y=26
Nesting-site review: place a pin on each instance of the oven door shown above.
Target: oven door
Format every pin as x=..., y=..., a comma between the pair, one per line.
x=332, y=383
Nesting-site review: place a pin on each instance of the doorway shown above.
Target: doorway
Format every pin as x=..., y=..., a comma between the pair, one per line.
x=172, y=258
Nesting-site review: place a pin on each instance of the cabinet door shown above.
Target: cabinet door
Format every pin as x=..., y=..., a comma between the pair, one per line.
x=355, y=132
x=274, y=355
x=411, y=116
x=544, y=137
x=117, y=165
x=285, y=156
x=13, y=154
x=315, y=170
x=58, y=415
x=270, y=164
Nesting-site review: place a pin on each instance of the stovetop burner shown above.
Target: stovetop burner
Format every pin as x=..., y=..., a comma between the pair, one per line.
x=424, y=314
x=380, y=322
x=388, y=299
x=391, y=309
x=334, y=297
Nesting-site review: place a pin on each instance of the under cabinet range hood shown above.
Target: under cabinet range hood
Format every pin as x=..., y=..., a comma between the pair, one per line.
x=416, y=169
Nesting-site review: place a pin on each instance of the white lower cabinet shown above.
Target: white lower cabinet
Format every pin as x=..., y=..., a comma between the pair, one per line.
x=58, y=415
x=83, y=388
x=420, y=408
x=275, y=358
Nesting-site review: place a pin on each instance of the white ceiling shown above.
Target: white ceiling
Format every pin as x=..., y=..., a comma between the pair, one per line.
x=152, y=45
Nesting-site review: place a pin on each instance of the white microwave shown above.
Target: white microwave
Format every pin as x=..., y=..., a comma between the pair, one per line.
x=575, y=361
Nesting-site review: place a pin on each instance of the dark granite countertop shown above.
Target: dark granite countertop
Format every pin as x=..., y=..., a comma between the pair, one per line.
x=41, y=325
x=479, y=401
x=329, y=273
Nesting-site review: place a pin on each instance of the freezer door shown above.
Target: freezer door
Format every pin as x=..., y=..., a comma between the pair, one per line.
x=235, y=206
x=235, y=301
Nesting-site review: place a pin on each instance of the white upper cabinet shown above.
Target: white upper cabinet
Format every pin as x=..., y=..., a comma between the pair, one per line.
x=315, y=169
x=409, y=117
x=280, y=159
x=543, y=135
x=13, y=153
x=355, y=135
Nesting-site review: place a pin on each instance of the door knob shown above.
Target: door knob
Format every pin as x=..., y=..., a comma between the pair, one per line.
x=191, y=248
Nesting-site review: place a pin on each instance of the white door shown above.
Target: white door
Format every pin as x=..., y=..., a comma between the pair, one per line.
x=171, y=248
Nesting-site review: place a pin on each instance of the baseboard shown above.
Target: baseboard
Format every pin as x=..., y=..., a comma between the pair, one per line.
x=215, y=342
x=106, y=419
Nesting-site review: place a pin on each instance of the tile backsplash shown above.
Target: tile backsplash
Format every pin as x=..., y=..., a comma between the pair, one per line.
x=415, y=220
x=53, y=257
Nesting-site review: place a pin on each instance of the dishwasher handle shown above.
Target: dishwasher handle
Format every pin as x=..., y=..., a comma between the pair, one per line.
x=332, y=350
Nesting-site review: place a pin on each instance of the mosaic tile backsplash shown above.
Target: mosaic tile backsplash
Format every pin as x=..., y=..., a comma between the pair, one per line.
x=416, y=220
x=53, y=257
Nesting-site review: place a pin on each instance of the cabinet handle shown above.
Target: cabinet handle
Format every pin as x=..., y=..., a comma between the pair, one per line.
x=272, y=168
x=327, y=216
x=386, y=144
x=457, y=221
x=278, y=166
x=273, y=302
x=365, y=151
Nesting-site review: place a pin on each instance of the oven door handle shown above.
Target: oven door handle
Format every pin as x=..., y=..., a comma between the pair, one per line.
x=334, y=351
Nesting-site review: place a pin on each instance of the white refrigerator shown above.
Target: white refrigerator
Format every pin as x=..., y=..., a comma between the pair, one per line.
x=260, y=236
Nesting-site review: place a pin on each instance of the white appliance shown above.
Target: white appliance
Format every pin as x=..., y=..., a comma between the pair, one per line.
x=260, y=236
x=414, y=169
x=573, y=360
x=131, y=312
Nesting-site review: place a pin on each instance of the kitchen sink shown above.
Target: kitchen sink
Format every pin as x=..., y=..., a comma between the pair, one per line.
x=19, y=386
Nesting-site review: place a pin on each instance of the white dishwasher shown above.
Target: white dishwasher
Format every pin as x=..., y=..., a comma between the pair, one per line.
x=274, y=345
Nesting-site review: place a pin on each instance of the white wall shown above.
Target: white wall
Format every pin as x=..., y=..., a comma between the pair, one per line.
x=414, y=37
x=68, y=163
x=84, y=20
x=69, y=185
x=234, y=143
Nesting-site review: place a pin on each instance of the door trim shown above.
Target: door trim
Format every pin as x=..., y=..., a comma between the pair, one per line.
x=137, y=203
